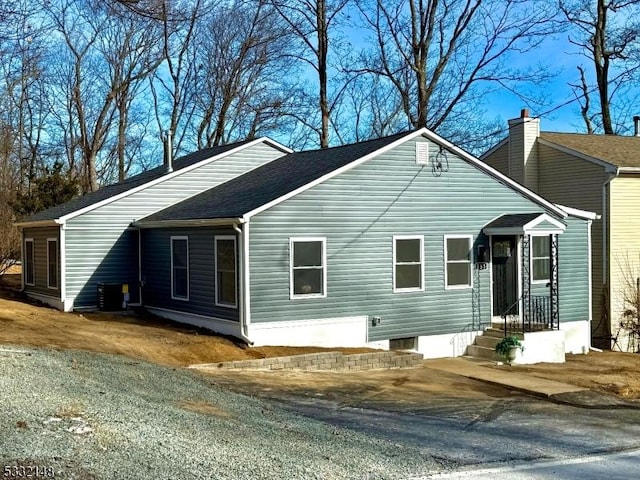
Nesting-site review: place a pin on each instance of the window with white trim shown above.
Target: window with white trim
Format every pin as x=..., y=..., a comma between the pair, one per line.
x=540, y=259
x=308, y=262
x=180, y=268
x=408, y=259
x=52, y=263
x=457, y=258
x=29, y=264
x=226, y=274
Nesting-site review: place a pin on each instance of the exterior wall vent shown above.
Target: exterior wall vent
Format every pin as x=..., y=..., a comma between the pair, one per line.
x=409, y=343
x=422, y=153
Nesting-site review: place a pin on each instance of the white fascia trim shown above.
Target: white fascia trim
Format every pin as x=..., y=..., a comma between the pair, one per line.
x=292, y=295
x=39, y=223
x=235, y=268
x=542, y=218
x=493, y=149
x=212, y=222
x=576, y=212
x=629, y=169
x=446, y=260
x=609, y=167
x=492, y=171
x=422, y=269
x=334, y=173
x=168, y=176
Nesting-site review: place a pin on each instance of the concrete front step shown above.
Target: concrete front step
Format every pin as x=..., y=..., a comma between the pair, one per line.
x=487, y=341
x=479, y=351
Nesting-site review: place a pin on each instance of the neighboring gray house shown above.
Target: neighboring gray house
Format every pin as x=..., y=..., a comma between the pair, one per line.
x=405, y=241
x=67, y=250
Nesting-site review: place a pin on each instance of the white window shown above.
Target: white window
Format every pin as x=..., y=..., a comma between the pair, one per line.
x=308, y=260
x=541, y=258
x=29, y=265
x=226, y=275
x=180, y=268
x=52, y=263
x=408, y=258
x=457, y=260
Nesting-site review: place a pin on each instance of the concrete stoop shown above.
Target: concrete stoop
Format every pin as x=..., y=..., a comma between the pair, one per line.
x=323, y=361
x=543, y=346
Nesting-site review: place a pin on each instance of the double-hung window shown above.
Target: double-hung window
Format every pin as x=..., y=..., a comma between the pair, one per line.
x=180, y=268
x=408, y=263
x=308, y=260
x=29, y=265
x=226, y=275
x=457, y=260
x=52, y=263
x=540, y=258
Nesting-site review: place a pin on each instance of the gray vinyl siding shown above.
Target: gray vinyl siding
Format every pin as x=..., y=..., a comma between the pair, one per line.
x=39, y=236
x=100, y=248
x=573, y=255
x=358, y=212
x=156, y=272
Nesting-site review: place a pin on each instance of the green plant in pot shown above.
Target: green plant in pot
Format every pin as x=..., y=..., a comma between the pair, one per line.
x=508, y=347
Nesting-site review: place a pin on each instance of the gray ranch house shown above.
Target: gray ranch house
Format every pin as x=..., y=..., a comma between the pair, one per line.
x=401, y=242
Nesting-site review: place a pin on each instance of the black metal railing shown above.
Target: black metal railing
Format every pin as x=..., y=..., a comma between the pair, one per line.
x=536, y=316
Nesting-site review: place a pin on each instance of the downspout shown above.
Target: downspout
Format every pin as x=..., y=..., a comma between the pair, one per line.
x=63, y=265
x=140, y=266
x=243, y=309
x=606, y=194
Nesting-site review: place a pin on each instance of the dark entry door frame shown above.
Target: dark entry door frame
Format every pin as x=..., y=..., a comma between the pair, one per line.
x=506, y=276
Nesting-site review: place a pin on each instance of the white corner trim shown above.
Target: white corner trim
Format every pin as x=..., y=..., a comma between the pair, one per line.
x=335, y=172
x=171, y=175
x=394, y=263
x=446, y=261
x=63, y=264
x=246, y=291
x=32, y=261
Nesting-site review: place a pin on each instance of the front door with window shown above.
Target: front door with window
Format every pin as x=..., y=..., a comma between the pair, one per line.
x=504, y=256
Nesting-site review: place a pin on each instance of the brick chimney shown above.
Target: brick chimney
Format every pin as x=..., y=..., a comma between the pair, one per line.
x=523, y=149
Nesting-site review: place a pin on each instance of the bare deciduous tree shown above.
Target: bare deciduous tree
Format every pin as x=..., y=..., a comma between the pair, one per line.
x=608, y=32
x=311, y=21
x=440, y=56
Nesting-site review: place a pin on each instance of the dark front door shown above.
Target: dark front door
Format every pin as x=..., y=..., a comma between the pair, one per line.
x=504, y=257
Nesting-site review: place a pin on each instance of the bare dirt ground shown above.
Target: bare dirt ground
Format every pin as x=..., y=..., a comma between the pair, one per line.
x=142, y=337
x=152, y=339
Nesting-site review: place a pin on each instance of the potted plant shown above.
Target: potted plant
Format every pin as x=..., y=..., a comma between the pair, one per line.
x=508, y=347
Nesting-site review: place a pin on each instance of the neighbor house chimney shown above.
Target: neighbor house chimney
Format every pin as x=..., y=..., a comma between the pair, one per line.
x=523, y=149
x=168, y=152
x=636, y=126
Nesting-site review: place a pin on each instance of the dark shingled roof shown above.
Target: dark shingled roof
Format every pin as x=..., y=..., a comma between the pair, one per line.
x=513, y=220
x=621, y=151
x=268, y=182
x=109, y=191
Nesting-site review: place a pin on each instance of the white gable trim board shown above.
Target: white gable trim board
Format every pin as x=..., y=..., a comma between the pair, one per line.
x=429, y=136
x=168, y=176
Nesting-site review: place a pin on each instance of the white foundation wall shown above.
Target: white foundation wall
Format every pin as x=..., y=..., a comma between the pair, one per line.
x=447, y=345
x=325, y=332
x=577, y=336
x=548, y=347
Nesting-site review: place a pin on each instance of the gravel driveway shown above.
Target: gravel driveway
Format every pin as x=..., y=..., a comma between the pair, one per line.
x=97, y=416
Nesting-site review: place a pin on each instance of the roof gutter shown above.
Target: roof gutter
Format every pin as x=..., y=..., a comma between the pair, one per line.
x=207, y=222
x=628, y=170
